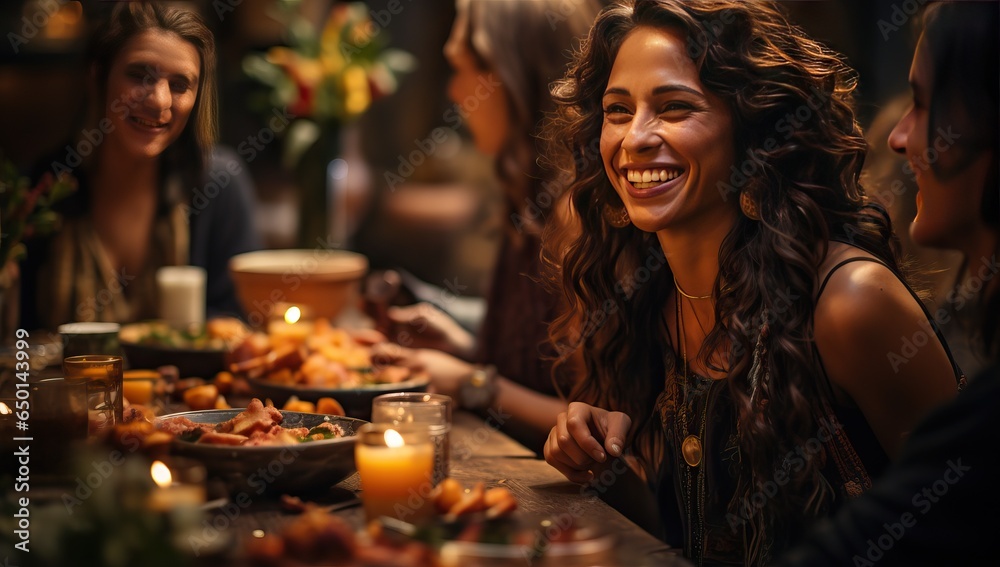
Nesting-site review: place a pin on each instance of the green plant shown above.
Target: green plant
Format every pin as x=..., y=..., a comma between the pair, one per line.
x=26, y=210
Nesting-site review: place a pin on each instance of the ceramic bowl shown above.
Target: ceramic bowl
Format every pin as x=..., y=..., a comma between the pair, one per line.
x=323, y=280
x=302, y=468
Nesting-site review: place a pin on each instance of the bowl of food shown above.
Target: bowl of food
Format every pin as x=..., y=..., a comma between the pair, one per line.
x=261, y=449
x=317, y=361
x=356, y=401
x=324, y=280
x=196, y=352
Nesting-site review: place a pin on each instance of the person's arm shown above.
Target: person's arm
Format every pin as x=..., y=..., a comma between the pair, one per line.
x=935, y=506
x=508, y=403
x=864, y=321
x=529, y=407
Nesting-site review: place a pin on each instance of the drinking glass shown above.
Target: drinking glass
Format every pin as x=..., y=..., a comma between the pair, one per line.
x=102, y=376
x=432, y=410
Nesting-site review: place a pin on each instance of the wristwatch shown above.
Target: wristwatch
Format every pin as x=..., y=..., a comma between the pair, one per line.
x=480, y=389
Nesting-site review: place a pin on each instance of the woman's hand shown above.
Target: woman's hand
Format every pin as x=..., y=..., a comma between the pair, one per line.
x=583, y=438
x=447, y=372
x=424, y=326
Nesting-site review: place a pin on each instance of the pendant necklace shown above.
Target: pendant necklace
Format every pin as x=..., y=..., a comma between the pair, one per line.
x=691, y=446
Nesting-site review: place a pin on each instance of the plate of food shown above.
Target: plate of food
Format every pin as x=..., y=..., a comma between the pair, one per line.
x=320, y=361
x=262, y=449
x=198, y=351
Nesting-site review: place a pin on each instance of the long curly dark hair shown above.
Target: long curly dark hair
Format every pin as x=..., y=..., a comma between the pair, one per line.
x=808, y=192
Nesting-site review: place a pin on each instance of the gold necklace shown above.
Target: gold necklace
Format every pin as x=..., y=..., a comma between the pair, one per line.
x=687, y=295
x=692, y=451
x=691, y=447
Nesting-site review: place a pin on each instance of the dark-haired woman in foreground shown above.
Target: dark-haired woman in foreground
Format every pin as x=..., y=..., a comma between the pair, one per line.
x=937, y=504
x=736, y=299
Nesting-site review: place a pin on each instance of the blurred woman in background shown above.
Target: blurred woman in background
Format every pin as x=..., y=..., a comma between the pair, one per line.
x=153, y=188
x=521, y=46
x=928, y=508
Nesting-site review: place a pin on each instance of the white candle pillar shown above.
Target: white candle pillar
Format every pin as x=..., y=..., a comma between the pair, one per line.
x=182, y=295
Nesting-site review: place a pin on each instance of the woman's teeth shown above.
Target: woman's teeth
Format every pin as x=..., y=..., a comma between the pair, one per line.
x=650, y=177
x=147, y=123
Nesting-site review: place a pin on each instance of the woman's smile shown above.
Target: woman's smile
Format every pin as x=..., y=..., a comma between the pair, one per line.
x=650, y=181
x=666, y=140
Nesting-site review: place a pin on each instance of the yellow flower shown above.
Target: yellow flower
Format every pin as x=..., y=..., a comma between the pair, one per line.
x=357, y=92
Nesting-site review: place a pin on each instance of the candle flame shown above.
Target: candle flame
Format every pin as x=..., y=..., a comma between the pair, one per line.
x=393, y=438
x=160, y=473
x=293, y=314
x=5, y=409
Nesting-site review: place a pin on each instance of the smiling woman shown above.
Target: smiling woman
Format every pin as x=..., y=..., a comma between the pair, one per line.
x=756, y=362
x=154, y=85
x=647, y=101
x=146, y=145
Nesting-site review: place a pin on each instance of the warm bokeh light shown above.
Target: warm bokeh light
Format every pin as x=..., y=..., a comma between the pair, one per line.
x=5, y=409
x=293, y=314
x=161, y=474
x=393, y=438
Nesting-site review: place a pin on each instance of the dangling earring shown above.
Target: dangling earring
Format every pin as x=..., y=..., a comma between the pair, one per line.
x=749, y=207
x=759, y=375
x=616, y=217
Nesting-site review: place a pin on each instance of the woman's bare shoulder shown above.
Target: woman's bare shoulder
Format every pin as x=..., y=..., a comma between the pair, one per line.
x=858, y=294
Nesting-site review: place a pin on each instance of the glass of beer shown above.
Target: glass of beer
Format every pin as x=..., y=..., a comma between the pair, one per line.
x=102, y=375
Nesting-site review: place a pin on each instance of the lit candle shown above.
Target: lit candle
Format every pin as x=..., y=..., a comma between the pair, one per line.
x=290, y=331
x=182, y=295
x=172, y=490
x=396, y=466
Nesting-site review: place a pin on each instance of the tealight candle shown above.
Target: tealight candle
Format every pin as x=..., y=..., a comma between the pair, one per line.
x=432, y=410
x=396, y=465
x=291, y=330
x=179, y=484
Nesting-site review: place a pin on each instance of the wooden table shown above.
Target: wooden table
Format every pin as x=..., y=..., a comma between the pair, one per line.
x=480, y=452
